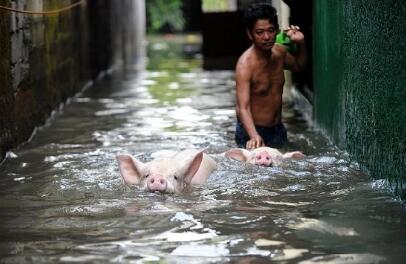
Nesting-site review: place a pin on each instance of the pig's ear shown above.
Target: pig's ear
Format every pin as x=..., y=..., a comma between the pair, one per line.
x=293, y=155
x=130, y=168
x=190, y=166
x=238, y=154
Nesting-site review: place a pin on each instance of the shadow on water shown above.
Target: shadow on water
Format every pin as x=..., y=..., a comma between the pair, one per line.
x=62, y=198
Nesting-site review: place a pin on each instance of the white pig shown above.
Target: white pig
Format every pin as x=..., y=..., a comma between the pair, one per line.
x=169, y=173
x=262, y=156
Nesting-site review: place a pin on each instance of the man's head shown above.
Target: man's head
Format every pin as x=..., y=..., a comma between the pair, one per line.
x=261, y=23
x=260, y=11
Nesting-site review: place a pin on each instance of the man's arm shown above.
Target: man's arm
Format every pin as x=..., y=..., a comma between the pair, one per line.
x=296, y=62
x=243, y=105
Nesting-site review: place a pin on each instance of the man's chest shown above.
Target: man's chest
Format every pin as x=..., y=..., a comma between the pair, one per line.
x=267, y=81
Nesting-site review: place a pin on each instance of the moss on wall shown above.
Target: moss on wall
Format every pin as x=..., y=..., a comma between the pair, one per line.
x=360, y=82
x=6, y=91
x=46, y=59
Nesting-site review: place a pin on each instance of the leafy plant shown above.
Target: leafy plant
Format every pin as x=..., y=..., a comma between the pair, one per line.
x=163, y=13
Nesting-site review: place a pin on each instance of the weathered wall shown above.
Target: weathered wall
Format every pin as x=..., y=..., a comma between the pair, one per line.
x=47, y=58
x=360, y=82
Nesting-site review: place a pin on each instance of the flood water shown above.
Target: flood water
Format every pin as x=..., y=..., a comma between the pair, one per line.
x=62, y=199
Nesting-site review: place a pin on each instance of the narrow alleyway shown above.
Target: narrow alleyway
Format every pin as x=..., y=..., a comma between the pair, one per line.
x=63, y=200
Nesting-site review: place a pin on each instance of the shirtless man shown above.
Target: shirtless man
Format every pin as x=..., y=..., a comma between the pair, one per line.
x=260, y=78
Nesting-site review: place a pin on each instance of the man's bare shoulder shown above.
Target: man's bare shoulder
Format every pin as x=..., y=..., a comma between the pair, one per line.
x=246, y=60
x=279, y=50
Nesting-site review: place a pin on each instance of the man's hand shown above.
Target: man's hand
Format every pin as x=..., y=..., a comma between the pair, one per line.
x=294, y=34
x=255, y=142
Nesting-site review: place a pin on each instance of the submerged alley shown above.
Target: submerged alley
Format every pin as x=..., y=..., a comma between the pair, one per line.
x=87, y=82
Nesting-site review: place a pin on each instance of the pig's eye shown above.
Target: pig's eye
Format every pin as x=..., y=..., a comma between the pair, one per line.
x=147, y=175
x=175, y=177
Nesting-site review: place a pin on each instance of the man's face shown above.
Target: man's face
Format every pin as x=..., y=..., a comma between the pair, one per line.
x=263, y=34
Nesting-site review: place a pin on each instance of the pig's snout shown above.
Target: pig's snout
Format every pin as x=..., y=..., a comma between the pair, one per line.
x=263, y=159
x=157, y=183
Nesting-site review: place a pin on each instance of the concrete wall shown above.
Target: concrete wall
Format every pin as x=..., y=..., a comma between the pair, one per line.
x=45, y=59
x=360, y=82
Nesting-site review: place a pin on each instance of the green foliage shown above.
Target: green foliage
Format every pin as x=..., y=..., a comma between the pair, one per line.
x=165, y=12
x=215, y=5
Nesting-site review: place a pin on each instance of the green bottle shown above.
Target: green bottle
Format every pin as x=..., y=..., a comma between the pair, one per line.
x=283, y=39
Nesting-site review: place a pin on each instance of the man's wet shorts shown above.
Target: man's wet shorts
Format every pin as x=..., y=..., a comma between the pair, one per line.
x=275, y=136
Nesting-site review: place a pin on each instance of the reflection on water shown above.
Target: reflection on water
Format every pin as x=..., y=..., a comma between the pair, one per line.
x=62, y=198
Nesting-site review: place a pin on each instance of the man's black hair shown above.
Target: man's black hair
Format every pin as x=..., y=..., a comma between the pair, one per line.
x=260, y=11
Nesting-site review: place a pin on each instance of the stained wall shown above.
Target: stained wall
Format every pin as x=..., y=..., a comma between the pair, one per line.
x=45, y=59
